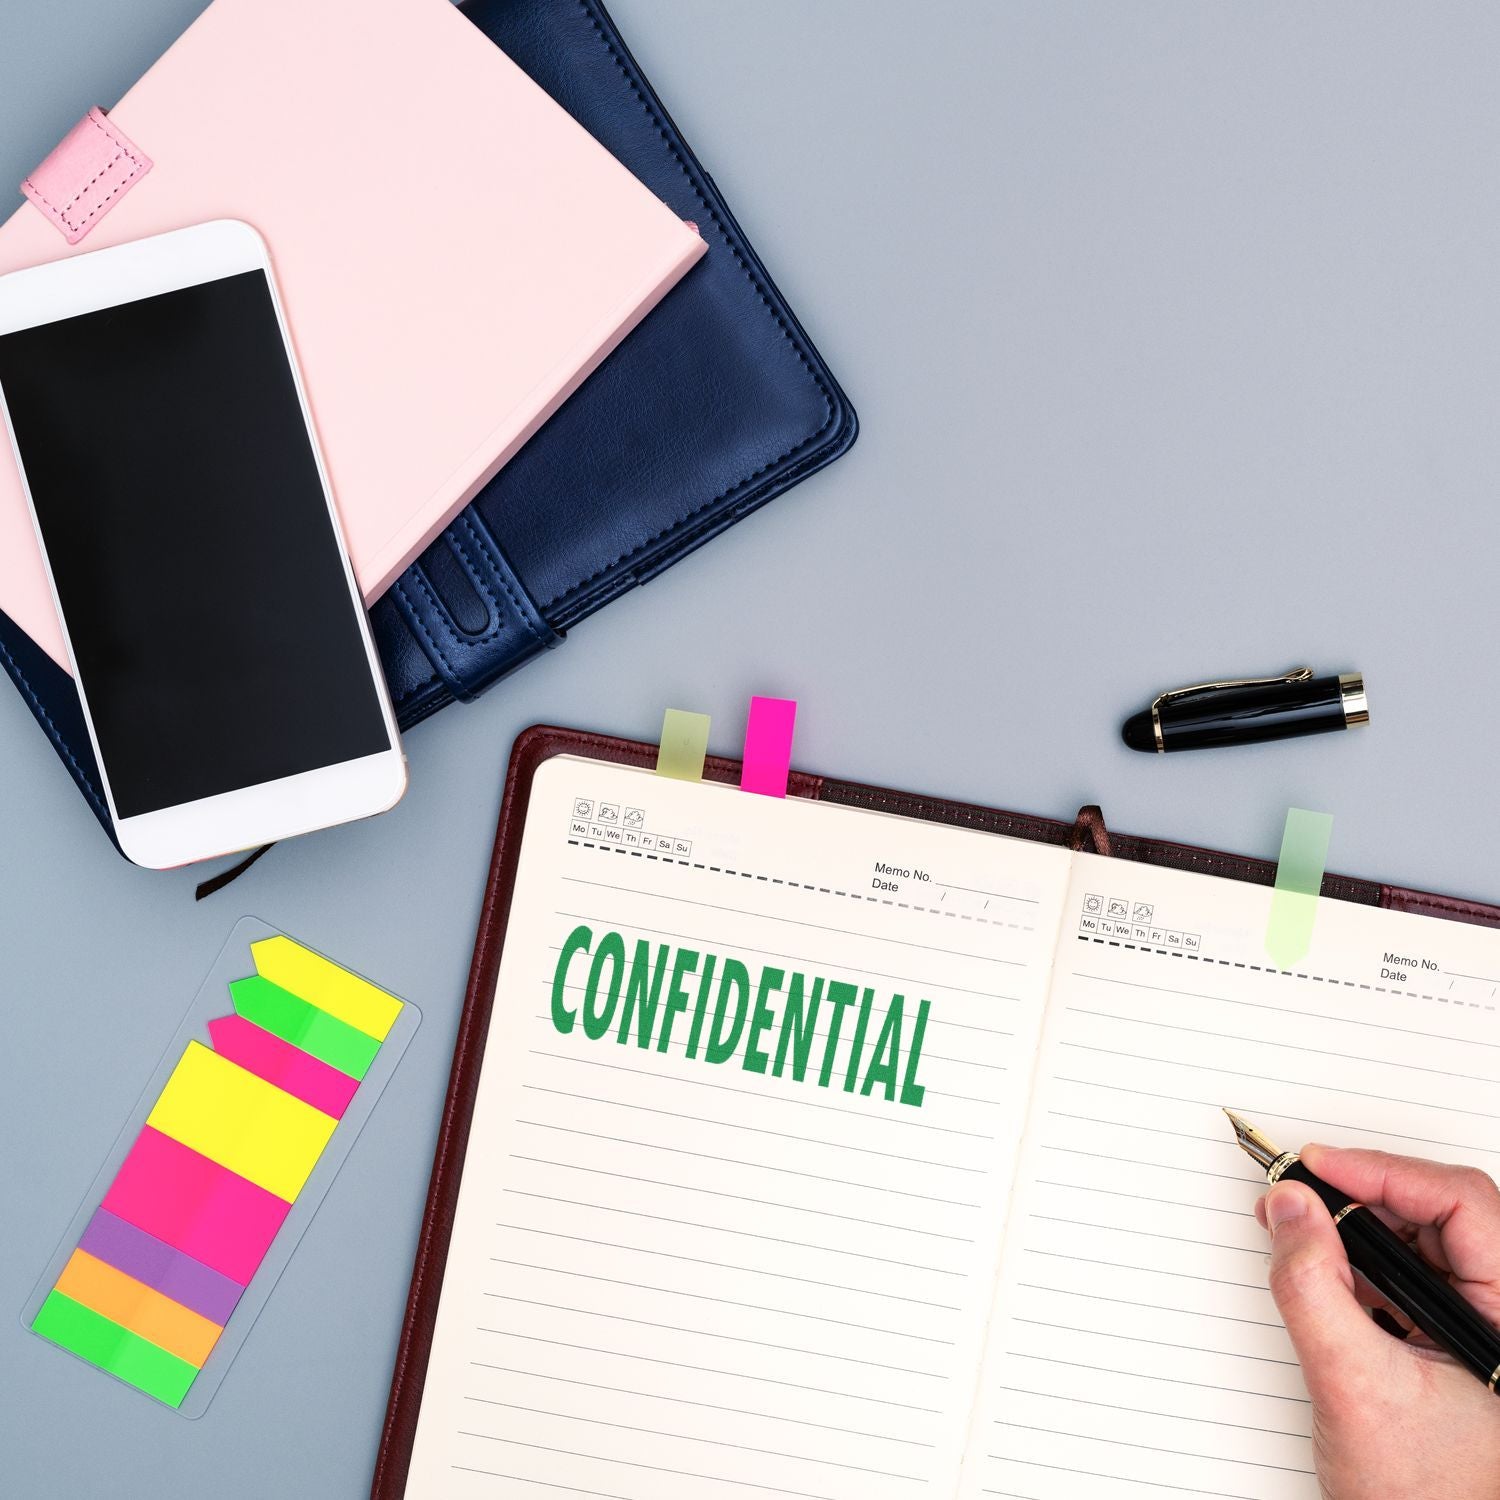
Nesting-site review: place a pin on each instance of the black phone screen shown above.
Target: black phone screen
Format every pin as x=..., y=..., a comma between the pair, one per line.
x=199, y=574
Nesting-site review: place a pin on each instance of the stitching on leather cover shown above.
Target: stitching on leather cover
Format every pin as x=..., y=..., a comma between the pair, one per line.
x=1402, y=899
x=53, y=732
x=518, y=607
x=420, y=687
x=631, y=80
x=520, y=600
x=487, y=594
x=416, y=619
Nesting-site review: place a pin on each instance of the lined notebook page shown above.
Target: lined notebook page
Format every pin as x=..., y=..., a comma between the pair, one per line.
x=680, y=1279
x=1137, y=1353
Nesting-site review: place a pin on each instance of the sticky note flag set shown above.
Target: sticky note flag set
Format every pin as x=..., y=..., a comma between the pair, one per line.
x=187, y=1227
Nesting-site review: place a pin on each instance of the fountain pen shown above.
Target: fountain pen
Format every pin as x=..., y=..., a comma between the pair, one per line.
x=1249, y=710
x=1388, y=1263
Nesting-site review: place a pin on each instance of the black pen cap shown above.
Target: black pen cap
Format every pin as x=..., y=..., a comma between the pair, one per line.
x=1139, y=732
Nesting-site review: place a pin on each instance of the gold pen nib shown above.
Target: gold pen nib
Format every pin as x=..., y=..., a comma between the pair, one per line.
x=1251, y=1141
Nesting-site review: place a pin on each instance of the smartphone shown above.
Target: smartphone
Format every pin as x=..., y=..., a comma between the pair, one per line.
x=213, y=623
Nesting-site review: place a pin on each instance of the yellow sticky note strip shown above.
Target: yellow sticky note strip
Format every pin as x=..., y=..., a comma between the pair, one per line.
x=315, y=979
x=218, y=1109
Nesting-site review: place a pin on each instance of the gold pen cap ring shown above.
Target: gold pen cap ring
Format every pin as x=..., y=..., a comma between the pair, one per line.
x=1356, y=703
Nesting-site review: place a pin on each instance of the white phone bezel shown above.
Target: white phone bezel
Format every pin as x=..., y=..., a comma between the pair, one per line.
x=248, y=816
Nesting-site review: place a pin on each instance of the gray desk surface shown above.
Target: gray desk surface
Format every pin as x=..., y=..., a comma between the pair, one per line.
x=1173, y=332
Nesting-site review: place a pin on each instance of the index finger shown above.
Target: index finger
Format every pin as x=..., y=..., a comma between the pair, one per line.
x=1462, y=1203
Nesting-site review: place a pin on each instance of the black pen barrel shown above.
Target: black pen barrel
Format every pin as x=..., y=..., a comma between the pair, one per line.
x=1407, y=1282
x=1251, y=714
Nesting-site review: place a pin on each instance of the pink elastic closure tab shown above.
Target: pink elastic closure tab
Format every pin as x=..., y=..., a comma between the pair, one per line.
x=88, y=173
x=768, y=746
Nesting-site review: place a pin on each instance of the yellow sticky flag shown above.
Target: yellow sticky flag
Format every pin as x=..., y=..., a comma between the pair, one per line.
x=324, y=984
x=223, y=1112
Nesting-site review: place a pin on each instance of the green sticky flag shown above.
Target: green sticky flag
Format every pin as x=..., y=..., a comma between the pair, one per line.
x=291, y=1018
x=684, y=745
x=1299, y=878
x=108, y=1346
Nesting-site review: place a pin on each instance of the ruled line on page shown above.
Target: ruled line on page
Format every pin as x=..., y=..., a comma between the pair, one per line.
x=1186, y=1312
x=688, y=1187
x=650, y=1359
x=686, y=1437
x=1208, y=1208
x=863, y=1118
x=1233, y=1390
x=754, y=1129
x=672, y=1291
x=739, y=1411
x=1248, y=1177
x=545, y=1484
x=1088, y=1437
x=1279, y=1010
x=1170, y=1416
x=1281, y=1044
x=836, y=1286
x=1154, y=1484
x=1151, y=1234
x=710, y=1333
x=759, y=1166
x=1119, y=1265
x=636, y=1213
x=655, y=1468
x=1321, y=1086
x=1131, y=1338
x=1280, y=1115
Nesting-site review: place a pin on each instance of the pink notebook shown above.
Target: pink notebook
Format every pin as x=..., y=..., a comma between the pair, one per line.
x=455, y=253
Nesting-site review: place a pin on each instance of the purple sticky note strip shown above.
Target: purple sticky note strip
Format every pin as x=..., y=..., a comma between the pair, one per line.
x=156, y=1264
x=768, y=746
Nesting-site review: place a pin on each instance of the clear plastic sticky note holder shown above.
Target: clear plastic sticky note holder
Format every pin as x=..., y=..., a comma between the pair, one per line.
x=210, y=1185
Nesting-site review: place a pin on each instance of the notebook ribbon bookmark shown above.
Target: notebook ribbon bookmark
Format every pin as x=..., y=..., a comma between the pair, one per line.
x=1299, y=878
x=684, y=745
x=768, y=746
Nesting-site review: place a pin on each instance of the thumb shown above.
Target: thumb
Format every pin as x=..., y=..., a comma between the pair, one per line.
x=1339, y=1347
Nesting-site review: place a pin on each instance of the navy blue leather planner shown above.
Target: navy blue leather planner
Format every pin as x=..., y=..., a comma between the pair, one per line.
x=715, y=404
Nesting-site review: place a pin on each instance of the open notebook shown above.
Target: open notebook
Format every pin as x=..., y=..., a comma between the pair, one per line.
x=817, y=1151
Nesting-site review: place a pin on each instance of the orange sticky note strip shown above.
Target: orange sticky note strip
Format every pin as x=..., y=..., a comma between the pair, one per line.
x=137, y=1307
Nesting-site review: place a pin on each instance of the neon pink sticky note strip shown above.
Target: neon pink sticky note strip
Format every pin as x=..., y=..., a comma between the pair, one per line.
x=300, y=1073
x=195, y=1205
x=768, y=746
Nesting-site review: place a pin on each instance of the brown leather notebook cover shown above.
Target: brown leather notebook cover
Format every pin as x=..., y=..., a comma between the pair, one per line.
x=540, y=744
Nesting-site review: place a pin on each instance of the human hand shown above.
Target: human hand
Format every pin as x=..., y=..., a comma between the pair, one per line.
x=1392, y=1419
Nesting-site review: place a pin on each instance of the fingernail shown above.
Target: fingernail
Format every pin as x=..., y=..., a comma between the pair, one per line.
x=1282, y=1205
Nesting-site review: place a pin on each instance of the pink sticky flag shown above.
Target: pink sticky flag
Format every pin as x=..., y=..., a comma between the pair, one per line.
x=300, y=1073
x=195, y=1205
x=768, y=746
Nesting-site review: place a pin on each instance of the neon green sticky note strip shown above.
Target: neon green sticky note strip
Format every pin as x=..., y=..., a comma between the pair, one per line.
x=311, y=977
x=285, y=1015
x=684, y=744
x=1299, y=878
x=105, y=1344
